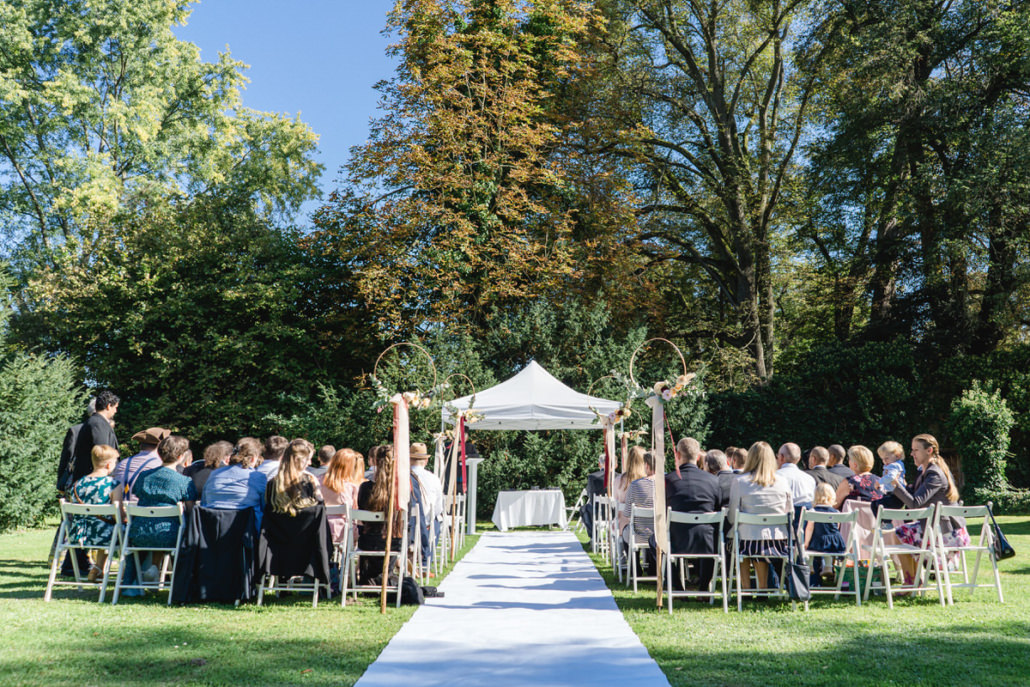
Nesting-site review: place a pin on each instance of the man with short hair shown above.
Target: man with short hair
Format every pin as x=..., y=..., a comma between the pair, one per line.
x=692, y=490
x=737, y=457
x=818, y=457
x=802, y=486
x=96, y=431
x=717, y=464
x=275, y=447
x=128, y=470
x=836, y=463
x=432, y=496
x=321, y=461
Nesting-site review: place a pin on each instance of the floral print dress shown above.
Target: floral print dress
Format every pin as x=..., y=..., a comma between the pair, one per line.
x=88, y=530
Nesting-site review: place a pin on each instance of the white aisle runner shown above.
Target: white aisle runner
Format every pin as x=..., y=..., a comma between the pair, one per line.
x=523, y=608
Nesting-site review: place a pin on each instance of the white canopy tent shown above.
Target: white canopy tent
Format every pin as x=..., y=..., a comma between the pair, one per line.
x=532, y=399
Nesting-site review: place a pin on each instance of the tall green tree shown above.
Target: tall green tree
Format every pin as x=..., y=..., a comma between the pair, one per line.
x=105, y=109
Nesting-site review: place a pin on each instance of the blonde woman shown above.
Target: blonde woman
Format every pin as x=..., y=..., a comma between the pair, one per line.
x=863, y=485
x=338, y=487
x=634, y=470
x=759, y=489
x=933, y=485
x=294, y=488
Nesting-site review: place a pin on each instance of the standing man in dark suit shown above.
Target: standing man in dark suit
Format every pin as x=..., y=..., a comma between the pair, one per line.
x=818, y=457
x=64, y=485
x=95, y=431
x=692, y=490
x=836, y=463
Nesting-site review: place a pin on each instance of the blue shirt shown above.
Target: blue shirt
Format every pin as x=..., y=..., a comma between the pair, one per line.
x=235, y=487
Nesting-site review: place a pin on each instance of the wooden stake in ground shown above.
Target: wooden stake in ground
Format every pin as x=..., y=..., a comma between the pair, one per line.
x=452, y=486
x=389, y=543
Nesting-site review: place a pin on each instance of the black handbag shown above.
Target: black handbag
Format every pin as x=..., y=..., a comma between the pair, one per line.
x=798, y=572
x=1002, y=548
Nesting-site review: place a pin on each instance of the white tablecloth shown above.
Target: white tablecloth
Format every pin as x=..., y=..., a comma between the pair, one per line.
x=525, y=508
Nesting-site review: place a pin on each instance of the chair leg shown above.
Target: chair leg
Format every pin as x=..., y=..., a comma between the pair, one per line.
x=56, y=563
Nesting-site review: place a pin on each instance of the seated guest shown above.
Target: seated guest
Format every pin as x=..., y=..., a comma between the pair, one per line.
x=934, y=484
x=215, y=456
x=162, y=486
x=717, y=464
x=320, y=463
x=823, y=536
x=802, y=486
x=863, y=485
x=641, y=495
x=238, y=485
x=432, y=496
x=818, y=458
x=370, y=473
x=338, y=488
x=736, y=458
x=635, y=469
x=689, y=489
x=595, y=488
x=272, y=453
x=293, y=488
x=128, y=471
x=97, y=487
x=836, y=463
x=761, y=490
x=359, y=470
x=375, y=496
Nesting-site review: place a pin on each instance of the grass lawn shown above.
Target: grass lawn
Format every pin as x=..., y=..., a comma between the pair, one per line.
x=975, y=642
x=75, y=641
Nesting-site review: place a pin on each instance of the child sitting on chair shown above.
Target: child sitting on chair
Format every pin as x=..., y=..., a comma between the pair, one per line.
x=95, y=488
x=824, y=537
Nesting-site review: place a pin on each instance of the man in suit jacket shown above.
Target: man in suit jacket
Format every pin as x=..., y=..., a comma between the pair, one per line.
x=836, y=463
x=689, y=489
x=95, y=431
x=818, y=457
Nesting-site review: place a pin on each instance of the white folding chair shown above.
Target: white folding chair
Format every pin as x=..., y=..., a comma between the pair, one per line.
x=983, y=545
x=65, y=544
x=926, y=554
x=616, y=545
x=603, y=512
x=134, y=512
x=353, y=554
x=339, y=547
x=297, y=582
x=847, y=523
x=572, y=513
x=636, y=547
x=718, y=558
x=770, y=520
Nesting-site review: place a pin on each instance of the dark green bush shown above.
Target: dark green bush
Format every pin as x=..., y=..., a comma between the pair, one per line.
x=38, y=402
x=1006, y=501
x=979, y=427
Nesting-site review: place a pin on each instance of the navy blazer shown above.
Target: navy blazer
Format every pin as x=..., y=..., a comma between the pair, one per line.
x=692, y=491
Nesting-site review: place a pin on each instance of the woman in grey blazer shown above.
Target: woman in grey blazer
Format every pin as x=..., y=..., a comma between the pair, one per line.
x=759, y=489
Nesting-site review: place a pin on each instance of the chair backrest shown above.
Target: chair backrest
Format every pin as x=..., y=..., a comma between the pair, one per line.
x=808, y=515
x=962, y=511
x=716, y=517
x=342, y=509
x=95, y=509
x=763, y=518
x=926, y=513
x=640, y=512
x=357, y=515
x=136, y=511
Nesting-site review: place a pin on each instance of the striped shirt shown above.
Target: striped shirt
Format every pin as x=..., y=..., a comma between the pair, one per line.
x=641, y=495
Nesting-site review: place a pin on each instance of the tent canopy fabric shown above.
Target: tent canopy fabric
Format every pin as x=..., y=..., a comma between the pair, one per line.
x=533, y=399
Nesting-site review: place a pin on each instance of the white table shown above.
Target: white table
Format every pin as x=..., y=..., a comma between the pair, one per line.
x=526, y=508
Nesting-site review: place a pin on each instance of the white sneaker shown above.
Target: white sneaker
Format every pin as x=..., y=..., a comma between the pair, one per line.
x=151, y=574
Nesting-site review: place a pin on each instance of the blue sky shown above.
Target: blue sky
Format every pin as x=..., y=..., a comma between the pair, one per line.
x=320, y=58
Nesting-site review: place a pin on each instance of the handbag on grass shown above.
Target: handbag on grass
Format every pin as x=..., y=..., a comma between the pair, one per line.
x=797, y=570
x=1002, y=548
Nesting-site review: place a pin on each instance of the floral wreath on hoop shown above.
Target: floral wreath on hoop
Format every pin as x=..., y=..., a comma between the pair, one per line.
x=415, y=398
x=665, y=389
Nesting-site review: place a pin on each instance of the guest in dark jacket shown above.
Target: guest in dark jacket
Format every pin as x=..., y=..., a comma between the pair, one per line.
x=716, y=463
x=689, y=489
x=818, y=459
x=97, y=430
x=836, y=463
